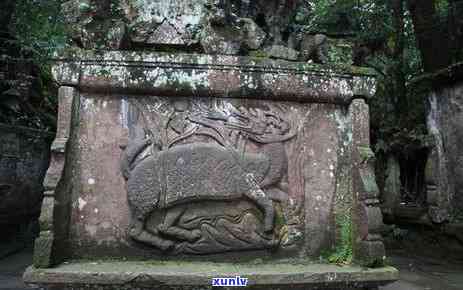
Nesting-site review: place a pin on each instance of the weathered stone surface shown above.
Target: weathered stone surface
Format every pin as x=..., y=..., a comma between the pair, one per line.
x=367, y=218
x=85, y=222
x=116, y=34
x=320, y=159
x=165, y=34
x=53, y=223
x=391, y=195
x=222, y=27
x=199, y=171
x=320, y=48
x=46, y=214
x=370, y=253
x=100, y=115
x=214, y=76
x=198, y=275
x=211, y=158
x=314, y=47
x=282, y=52
x=43, y=247
x=221, y=39
x=23, y=161
x=231, y=38
x=117, y=115
x=164, y=22
x=276, y=15
x=444, y=172
x=254, y=35
x=95, y=24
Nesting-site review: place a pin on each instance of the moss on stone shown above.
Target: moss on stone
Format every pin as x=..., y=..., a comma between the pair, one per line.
x=43, y=250
x=104, y=73
x=366, y=154
x=280, y=221
x=343, y=251
x=258, y=54
x=359, y=70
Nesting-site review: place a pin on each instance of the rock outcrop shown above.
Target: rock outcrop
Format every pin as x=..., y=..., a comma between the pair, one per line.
x=273, y=28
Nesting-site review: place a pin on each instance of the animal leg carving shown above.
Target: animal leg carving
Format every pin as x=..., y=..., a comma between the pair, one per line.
x=138, y=233
x=258, y=196
x=158, y=242
x=267, y=206
x=276, y=194
x=169, y=228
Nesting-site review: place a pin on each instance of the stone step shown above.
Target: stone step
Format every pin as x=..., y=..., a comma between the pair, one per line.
x=199, y=275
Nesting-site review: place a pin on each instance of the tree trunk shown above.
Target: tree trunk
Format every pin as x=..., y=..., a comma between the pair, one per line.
x=455, y=28
x=6, y=14
x=431, y=39
x=400, y=102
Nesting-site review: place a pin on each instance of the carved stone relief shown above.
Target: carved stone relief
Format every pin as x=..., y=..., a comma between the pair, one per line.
x=205, y=176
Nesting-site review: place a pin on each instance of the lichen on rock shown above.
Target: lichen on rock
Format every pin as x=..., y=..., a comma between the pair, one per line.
x=235, y=27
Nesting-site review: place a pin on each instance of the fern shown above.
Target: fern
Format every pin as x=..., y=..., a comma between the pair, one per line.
x=343, y=251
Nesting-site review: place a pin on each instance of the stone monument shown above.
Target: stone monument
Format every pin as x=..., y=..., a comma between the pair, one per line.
x=195, y=163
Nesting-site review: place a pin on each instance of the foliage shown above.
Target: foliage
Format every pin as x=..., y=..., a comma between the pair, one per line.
x=38, y=29
x=32, y=33
x=385, y=40
x=343, y=251
x=396, y=121
x=367, y=19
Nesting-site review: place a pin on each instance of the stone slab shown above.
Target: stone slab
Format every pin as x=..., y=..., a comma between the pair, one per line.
x=212, y=76
x=198, y=275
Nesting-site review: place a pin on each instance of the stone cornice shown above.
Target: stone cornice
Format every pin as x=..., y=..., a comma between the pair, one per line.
x=212, y=76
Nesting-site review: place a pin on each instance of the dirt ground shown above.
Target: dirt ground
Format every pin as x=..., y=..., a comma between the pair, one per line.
x=12, y=268
x=416, y=273
x=424, y=273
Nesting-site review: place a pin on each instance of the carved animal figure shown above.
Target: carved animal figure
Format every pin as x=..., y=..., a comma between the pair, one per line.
x=196, y=172
x=314, y=47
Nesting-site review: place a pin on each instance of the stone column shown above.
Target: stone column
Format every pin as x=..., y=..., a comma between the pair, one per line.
x=44, y=244
x=368, y=247
x=391, y=195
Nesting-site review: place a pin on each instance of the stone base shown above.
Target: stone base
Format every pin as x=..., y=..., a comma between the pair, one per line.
x=199, y=275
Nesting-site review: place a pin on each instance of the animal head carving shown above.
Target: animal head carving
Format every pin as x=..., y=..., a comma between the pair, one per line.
x=262, y=126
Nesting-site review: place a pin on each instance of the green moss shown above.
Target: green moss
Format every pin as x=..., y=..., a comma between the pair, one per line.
x=258, y=54
x=366, y=154
x=84, y=7
x=43, y=250
x=359, y=70
x=280, y=220
x=343, y=251
x=104, y=73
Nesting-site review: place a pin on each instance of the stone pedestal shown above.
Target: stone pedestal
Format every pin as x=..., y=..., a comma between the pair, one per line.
x=170, y=170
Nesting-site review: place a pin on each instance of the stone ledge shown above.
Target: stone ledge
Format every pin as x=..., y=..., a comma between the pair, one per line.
x=191, y=275
x=212, y=76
